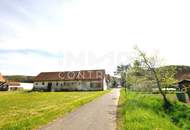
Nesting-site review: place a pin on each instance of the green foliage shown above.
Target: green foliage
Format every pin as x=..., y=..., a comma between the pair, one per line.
x=166, y=75
x=146, y=71
x=121, y=71
x=24, y=111
x=135, y=73
x=138, y=111
x=114, y=81
x=182, y=72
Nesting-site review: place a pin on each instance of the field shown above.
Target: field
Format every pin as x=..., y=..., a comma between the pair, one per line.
x=24, y=110
x=137, y=111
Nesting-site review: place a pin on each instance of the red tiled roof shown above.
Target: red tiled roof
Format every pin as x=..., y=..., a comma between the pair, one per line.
x=2, y=78
x=71, y=75
x=13, y=83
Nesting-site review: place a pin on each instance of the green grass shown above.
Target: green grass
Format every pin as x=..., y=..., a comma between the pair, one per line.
x=137, y=111
x=25, y=111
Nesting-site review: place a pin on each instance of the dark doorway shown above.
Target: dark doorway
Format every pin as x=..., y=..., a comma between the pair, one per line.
x=49, y=86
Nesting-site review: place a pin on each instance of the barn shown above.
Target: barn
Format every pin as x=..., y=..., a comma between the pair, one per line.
x=71, y=81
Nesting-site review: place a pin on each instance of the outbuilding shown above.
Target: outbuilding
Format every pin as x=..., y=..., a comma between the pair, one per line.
x=184, y=85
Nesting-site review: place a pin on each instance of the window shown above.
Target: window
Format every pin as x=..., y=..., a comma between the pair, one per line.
x=43, y=83
x=36, y=83
x=95, y=84
x=57, y=84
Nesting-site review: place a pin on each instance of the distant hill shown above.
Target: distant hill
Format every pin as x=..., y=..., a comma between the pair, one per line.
x=182, y=71
x=20, y=78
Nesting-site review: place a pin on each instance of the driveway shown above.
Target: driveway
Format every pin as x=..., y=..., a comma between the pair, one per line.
x=99, y=114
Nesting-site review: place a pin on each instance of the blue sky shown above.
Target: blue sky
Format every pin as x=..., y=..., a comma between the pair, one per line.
x=58, y=35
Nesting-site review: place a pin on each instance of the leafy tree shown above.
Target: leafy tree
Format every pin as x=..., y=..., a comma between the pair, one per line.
x=162, y=76
x=135, y=75
x=121, y=71
x=114, y=82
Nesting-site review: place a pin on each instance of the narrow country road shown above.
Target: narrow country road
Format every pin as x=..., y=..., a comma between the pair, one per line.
x=99, y=114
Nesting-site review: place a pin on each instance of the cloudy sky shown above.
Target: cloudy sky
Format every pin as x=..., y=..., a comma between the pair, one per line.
x=58, y=35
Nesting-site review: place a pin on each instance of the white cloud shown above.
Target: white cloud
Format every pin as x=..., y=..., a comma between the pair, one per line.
x=101, y=27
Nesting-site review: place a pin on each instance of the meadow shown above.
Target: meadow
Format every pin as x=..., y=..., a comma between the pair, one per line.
x=29, y=110
x=138, y=111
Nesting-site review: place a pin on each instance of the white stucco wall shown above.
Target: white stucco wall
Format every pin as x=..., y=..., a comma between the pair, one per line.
x=105, y=86
x=27, y=86
x=70, y=85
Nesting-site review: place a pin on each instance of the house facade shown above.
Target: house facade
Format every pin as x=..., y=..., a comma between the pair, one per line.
x=71, y=81
x=14, y=86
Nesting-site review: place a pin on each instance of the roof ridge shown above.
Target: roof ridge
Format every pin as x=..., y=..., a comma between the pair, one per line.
x=71, y=75
x=73, y=71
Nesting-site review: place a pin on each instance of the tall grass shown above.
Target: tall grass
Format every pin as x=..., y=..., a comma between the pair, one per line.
x=139, y=111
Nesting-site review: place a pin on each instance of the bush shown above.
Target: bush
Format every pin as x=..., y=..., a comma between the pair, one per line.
x=181, y=97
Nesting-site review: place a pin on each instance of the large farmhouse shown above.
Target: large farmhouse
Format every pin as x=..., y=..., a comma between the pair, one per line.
x=71, y=80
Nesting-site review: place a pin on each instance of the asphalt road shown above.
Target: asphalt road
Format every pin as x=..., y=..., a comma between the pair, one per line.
x=99, y=114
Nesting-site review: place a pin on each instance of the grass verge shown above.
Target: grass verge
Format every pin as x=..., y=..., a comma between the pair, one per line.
x=25, y=111
x=137, y=111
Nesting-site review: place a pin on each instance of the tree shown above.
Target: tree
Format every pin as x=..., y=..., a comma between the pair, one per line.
x=114, y=82
x=135, y=76
x=159, y=75
x=121, y=71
